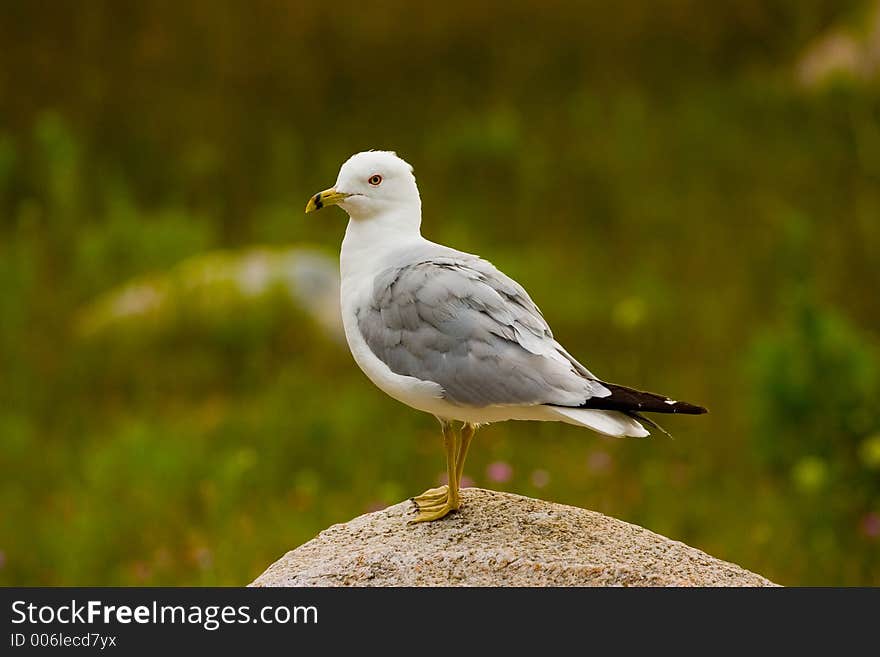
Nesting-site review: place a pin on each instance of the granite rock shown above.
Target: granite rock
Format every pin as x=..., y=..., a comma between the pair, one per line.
x=499, y=539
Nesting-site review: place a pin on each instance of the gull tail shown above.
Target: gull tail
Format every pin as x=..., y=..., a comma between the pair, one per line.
x=610, y=423
x=620, y=413
x=649, y=422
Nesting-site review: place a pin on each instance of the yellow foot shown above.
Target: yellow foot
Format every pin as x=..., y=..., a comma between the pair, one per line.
x=431, y=496
x=434, y=504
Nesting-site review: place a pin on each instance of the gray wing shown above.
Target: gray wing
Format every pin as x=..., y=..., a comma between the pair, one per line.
x=461, y=323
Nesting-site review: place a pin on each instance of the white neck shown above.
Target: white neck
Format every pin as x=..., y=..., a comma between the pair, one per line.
x=368, y=240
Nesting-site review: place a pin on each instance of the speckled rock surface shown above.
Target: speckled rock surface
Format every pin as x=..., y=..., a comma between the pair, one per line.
x=498, y=539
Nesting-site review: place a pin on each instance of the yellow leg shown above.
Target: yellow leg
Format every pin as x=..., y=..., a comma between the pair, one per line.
x=467, y=433
x=431, y=496
x=438, y=502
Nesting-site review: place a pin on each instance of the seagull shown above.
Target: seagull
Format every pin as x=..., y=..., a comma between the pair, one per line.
x=446, y=333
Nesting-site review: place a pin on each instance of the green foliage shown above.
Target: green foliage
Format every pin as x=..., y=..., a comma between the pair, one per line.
x=815, y=384
x=815, y=381
x=717, y=226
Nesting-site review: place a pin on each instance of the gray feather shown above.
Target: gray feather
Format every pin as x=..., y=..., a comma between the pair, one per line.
x=459, y=322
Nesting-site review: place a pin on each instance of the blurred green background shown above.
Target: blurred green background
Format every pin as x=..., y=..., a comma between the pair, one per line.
x=704, y=176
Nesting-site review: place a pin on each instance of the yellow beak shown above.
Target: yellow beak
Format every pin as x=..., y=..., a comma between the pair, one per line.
x=324, y=199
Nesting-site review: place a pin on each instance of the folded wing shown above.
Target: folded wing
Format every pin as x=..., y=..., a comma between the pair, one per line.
x=461, y=323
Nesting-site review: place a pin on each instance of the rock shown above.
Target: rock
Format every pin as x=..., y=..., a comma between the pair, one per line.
x=499, y=539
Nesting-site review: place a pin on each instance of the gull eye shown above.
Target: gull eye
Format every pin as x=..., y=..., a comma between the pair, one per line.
x=375, y=180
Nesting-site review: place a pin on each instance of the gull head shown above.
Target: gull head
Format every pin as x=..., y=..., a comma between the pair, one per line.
x=372, y=184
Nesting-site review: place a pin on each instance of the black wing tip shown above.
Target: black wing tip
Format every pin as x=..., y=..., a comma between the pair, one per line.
x=629, y=399
x=688, y=409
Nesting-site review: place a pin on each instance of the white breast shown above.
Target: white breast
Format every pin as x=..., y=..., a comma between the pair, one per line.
x=360, y=260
